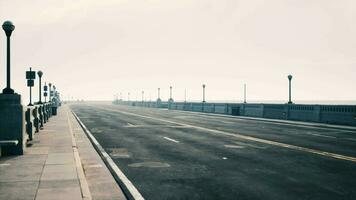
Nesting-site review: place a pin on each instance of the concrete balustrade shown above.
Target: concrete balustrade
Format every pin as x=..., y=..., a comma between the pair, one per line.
x=331, y=114
x=19, y=124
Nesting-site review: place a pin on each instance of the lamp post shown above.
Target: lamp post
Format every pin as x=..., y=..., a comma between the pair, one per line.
x=159, y=90
x=244, y=93
x=40, y=73
x=30, y=76
x=290, y=89
x=8, y=27
x=185, y=95
x=45, y=88
x=143, y=92
x=203, y=93
x=50, y=94
x=170, y=94
x=128, y=96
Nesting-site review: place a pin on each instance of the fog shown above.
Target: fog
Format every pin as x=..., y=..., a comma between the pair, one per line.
x=92, y=50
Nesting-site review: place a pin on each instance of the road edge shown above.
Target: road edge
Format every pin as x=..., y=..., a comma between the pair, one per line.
x=125, y=184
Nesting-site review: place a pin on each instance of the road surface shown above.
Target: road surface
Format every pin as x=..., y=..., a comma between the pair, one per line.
x=170, y=154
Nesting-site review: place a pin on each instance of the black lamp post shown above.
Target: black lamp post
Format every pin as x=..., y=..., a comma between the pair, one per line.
x=8, y=27
x=170, y=93
x=159, y=90
x=30, y=76
x=45, y=88
x=290, y=89
x=40, y=73
x=50, y=94
x=244, y=93
x=203, y=93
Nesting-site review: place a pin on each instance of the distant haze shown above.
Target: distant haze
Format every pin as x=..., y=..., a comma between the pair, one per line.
x=93, y=49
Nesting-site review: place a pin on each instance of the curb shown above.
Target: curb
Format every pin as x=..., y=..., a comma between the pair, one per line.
x=125, y=184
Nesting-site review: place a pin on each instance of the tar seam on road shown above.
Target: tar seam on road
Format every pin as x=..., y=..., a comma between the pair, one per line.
x=129, y=189
x=237, y=135
x=84, y=188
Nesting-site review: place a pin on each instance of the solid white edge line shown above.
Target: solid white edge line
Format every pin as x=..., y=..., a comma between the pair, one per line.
x=124, y=182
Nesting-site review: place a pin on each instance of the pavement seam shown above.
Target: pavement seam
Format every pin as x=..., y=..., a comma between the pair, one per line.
x=84, y=188
x=39, y=181
x=264, y=141
x=125, y=184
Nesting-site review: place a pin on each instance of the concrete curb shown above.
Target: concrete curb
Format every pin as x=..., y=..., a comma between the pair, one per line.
x=84, y=187
x=125, y=184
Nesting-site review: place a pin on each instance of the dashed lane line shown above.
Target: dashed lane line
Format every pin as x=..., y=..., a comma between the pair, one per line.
x=170, y=139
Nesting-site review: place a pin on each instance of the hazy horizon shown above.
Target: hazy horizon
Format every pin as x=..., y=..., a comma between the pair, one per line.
x=94, y=49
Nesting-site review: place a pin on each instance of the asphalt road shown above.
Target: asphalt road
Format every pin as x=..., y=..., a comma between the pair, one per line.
x=184, y=155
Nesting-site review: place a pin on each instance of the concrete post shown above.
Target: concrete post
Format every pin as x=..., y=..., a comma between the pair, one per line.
x=12, y=123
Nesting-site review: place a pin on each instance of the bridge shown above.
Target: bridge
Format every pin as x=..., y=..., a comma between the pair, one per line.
x=172, y=150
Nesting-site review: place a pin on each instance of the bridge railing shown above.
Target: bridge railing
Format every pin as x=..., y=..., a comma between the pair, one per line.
x=20, y=126
x=331, y=114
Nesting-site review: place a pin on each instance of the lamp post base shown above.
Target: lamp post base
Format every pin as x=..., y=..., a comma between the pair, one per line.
x=289, y=102
x=8, y=91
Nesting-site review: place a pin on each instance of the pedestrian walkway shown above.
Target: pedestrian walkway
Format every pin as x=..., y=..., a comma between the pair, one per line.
x=60, y=164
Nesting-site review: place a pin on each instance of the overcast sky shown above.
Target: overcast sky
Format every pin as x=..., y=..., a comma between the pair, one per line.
x=91, y=49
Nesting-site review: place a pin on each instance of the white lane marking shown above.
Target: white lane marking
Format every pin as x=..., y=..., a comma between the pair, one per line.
x=129, y=125
x=153, y=126
x=224, y=158
x=117, y=173
x=237, y=135
x=319, y=135
x=4, y=164
x=170, y=139
x=233, y=146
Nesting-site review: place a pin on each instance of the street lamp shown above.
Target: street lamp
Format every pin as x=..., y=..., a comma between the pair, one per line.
x=290, y=89
x=8, y=27
x=143, y=95
x=40, y=73
x=170, y=94
x=45, y=88
x=128, y=96
x=50, y=94
x=30, y=76
x=244, y=93
x=204, y=93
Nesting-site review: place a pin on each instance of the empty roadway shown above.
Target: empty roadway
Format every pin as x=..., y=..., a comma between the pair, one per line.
x=170, y=154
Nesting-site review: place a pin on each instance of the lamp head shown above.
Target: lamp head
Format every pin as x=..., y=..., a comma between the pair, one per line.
x=40, y=73
x=290, y=77
x=8, y=27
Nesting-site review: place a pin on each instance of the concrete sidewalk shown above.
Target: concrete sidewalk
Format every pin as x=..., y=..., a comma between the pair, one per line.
x=61, y=164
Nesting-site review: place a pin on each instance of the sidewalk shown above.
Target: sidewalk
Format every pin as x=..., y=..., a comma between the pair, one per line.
x=61, y=164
